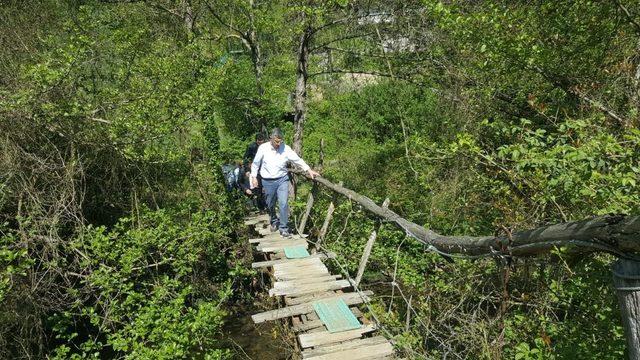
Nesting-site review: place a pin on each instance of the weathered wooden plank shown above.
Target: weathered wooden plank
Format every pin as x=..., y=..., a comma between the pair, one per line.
x=304, y=281
x=291, y=276
x=308, y=325
x=349, y=298
x=308, y=298
x=325, y=337
x=275, y=238
x=300, y=263
x=308, y=273
x=376, y=351
x=256, y=219
x=357, y=312
x=310, y=288
x=265, y=231
x=283, y=242
x=301, y=270
x=268, y=263
x=352, y=344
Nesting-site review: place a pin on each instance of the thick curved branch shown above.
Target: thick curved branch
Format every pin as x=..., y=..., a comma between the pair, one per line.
x=213, y=12
x=615, y=234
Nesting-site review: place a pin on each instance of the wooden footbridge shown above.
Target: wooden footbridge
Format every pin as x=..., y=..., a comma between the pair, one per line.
x=323, y=307
x=324, y=314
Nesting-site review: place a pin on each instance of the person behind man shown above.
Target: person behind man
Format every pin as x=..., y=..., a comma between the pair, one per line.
x=254, y=195
x=252, y=149
x=232, y=173
x=249, y=155
x=270, y=163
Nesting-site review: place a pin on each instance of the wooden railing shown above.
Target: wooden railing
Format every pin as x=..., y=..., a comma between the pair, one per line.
x=618, y=235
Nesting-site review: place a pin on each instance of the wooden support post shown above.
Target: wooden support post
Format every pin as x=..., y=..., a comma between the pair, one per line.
x=365, y=256
x=368, y=247
x=325, y=225
x=626, y=278
x=307, y=210
x=408, y=319
x=327, y=220
x=321, y=158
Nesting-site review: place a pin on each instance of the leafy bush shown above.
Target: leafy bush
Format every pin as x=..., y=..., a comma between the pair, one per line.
x=152, y=288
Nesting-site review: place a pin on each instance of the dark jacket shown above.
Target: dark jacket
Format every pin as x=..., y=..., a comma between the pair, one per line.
x=250, y=153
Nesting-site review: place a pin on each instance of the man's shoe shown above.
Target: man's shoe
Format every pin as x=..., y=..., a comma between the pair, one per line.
x=285, y=234
x=274, y=227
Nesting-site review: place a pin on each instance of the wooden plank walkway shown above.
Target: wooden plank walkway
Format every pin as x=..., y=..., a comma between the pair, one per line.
x=301, y=282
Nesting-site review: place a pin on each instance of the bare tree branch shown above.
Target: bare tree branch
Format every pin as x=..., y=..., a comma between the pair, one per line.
x=629, y=16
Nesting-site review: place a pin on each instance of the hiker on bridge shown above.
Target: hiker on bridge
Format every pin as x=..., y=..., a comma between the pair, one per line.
x=256, y=193
x=252, y=149
x=270, y=163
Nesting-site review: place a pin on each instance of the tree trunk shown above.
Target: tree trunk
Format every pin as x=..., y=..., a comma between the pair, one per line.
x=626, y=278
x=256, y=52
x=301, y=90
x=635, y=98
x=189, y=19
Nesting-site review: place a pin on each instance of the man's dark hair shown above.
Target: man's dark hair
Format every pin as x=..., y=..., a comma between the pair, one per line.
x=260, y=137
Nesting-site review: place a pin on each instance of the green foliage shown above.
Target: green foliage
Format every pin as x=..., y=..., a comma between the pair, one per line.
x=14, y=261
x=142, y=302
x=106, y=122
x=116, y=118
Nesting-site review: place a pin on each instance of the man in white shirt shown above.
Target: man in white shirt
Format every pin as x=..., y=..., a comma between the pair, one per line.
x=271, y=162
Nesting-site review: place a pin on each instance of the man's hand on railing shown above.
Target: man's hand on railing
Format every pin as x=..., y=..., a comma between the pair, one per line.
x=312, y=174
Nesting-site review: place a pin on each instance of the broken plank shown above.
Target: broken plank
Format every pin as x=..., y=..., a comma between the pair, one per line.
x=300, y=269
x=312, y=298
x=347, y=345
x=260, y=264
x=274, y=237
x=256, y=219
x=281, y=246
x=307, y=298
x=308, y=273
x=304, y=262
x=325, y=337
x=288, y=311
x=265, y=231
x=291, y=277
x=310, y=288
x=357, y=312
x=308, y=325
x=376, y=351
x=303, y=281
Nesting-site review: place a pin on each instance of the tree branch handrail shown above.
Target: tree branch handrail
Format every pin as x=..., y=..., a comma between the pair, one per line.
x=615, y=234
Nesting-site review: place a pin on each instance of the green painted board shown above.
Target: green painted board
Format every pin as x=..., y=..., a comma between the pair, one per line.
x=295, y=252
x=335, y=315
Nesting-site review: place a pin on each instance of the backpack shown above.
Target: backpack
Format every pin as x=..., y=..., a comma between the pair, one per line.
x=230, y=173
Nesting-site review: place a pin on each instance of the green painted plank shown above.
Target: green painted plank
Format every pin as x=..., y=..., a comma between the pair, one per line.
x=295, y=252
x=335, y=315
